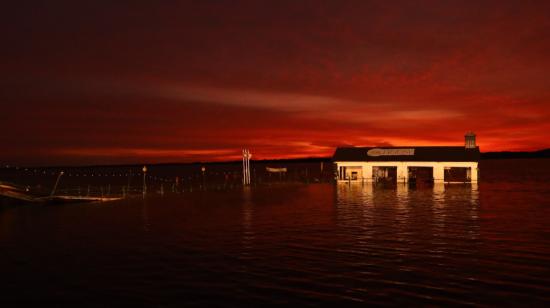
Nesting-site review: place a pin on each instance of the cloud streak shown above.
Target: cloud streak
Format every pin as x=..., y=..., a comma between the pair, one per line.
x=200, y=80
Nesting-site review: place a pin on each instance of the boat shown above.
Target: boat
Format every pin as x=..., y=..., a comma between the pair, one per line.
x=22, y=195
x=275, y=170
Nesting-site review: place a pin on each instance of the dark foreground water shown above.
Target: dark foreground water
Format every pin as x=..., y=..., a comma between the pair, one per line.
x=290, y=244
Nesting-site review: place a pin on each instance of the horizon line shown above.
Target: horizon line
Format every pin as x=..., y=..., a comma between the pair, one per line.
x=8, y=165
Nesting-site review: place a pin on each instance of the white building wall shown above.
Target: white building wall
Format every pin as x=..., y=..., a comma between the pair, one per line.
x=439, y=173
x=475, y=175
x=402, y=169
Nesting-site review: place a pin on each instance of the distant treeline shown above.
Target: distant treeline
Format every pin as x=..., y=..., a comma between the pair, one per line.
x=505, y=155
x=487, y=155
x=308, y=160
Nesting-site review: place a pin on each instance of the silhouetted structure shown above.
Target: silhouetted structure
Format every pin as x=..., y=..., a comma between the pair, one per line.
x=407, y=164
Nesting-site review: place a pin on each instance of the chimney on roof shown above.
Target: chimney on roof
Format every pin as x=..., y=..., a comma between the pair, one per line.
x=470, y=140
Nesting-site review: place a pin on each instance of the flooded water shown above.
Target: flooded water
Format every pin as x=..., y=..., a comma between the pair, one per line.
x=304, y=244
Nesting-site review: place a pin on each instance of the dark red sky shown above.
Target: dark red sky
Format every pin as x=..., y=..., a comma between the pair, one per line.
x=157, y=81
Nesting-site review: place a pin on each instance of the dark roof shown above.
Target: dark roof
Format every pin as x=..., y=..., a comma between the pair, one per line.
x=445, y=153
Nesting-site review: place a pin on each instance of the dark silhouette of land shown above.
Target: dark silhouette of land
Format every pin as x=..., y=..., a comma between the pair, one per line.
x=508, y=154
x=545, y=153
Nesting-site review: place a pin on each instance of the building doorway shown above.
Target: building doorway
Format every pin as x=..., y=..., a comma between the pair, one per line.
x=384, y=174
x=421, y=176
x=353, y=173
x=457, y=174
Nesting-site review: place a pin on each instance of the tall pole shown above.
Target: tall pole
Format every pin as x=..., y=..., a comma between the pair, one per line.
x=203, y=169
x=246, y=167
x=248, y=156
x=144, y=169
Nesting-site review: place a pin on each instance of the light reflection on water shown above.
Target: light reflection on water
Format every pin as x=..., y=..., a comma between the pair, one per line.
x=248, y=230
x=409, y=238
x=485, y=244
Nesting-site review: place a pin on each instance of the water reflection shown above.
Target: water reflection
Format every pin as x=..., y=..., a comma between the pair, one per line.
x=369, y=194
x=401, y=211
x=402, y=191
x=474, y=194
x=303, y=244
x=438, y=194
x=248, y=234
x=402, y=202
x=145, y=216
x=357, y=194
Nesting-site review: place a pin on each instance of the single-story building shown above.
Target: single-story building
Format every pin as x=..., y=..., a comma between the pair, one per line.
x=403, y=164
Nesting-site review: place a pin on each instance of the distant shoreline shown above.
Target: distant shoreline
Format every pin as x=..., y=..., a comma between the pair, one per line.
x=510, y=155
x=484, y=156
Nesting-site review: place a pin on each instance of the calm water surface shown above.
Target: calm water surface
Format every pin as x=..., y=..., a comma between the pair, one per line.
x=290, y=244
